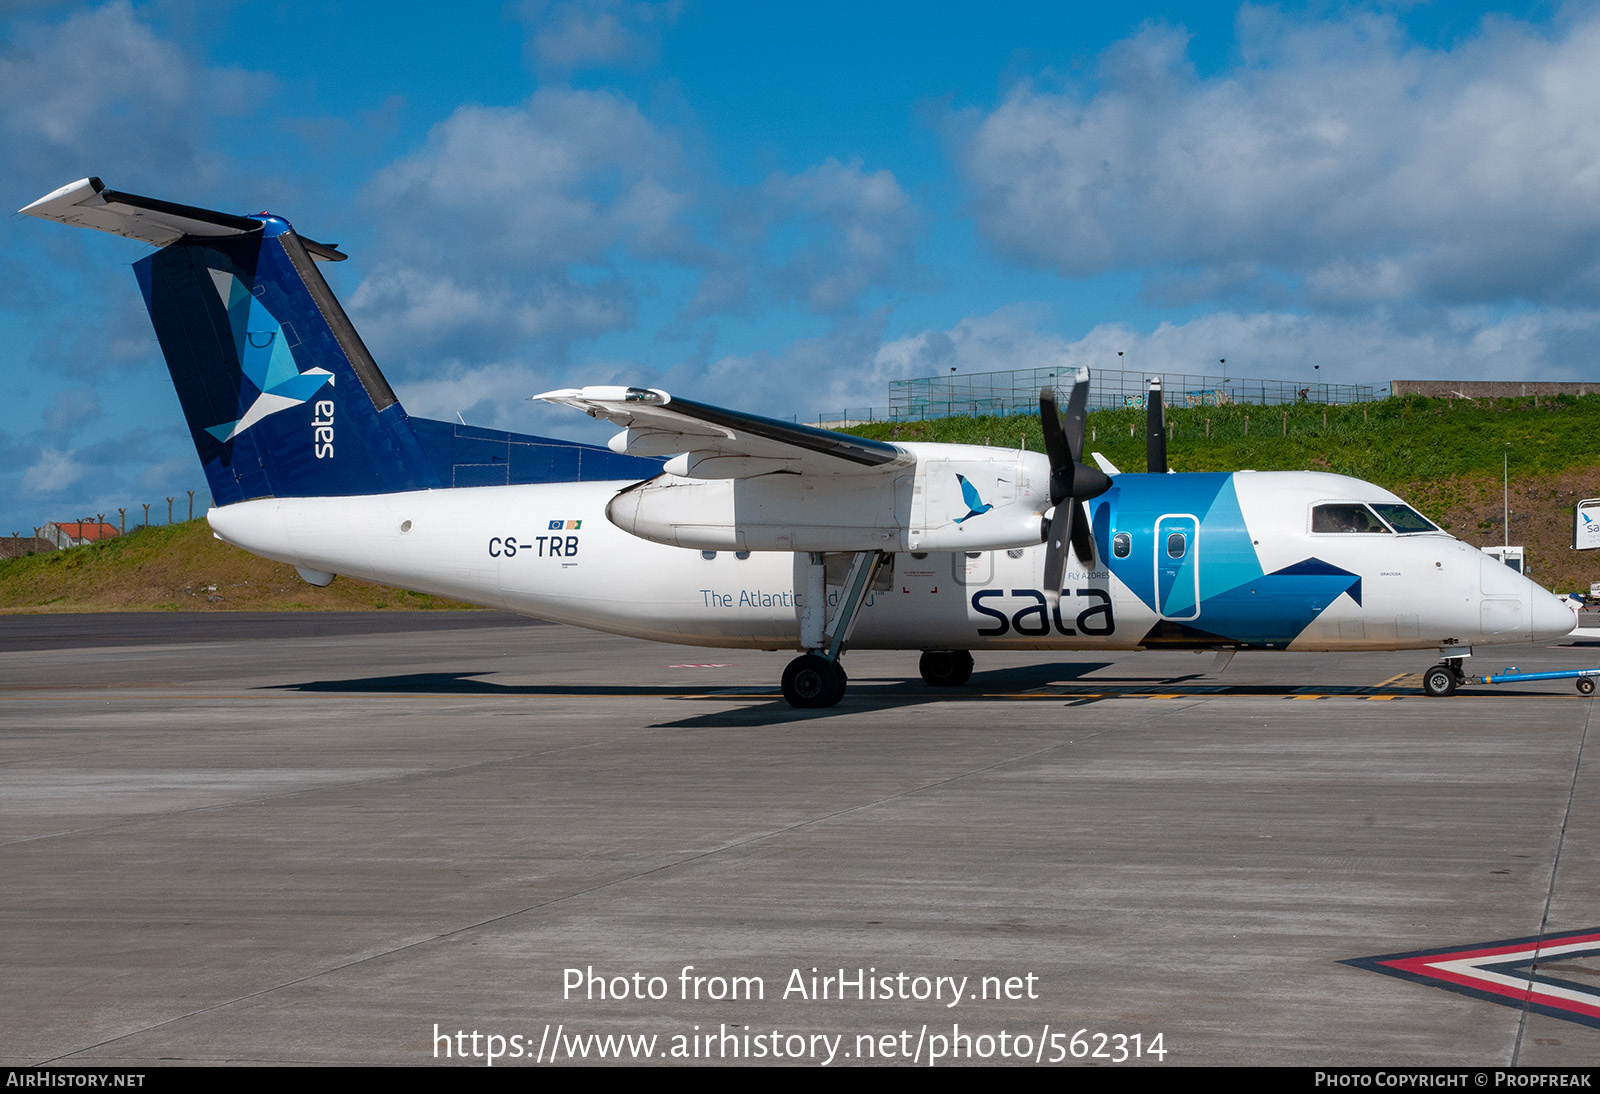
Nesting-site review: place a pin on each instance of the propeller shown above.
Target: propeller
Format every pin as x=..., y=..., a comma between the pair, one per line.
x=1072, y=482
x=1155, y=430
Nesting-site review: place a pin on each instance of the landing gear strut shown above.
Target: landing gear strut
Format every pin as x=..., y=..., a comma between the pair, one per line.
x=815, y=678
x=945, y=668
x=1444, y=678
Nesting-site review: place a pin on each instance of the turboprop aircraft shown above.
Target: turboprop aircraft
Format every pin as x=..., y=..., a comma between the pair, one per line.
x=711, y=527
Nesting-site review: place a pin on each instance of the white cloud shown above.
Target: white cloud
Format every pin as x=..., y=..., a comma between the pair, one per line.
x=510, y=224
x=53, y=471
x=858, y=231
x=557, y=180
x=1337, y=159
x=102, y=84
x=575, y=34
x=1463, y=343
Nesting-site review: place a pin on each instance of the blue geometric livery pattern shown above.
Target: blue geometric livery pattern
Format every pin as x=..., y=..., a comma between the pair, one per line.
x=1223, y=595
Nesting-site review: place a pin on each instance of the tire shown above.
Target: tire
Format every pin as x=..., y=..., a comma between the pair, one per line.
x=811, y=682
x=945, y=668
x=1585, y=685
x=1439, y=681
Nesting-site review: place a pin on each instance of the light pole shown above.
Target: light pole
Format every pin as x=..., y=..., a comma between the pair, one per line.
x=1505, y=492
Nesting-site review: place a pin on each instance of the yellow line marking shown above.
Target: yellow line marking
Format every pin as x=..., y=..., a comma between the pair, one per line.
x=1392, y=679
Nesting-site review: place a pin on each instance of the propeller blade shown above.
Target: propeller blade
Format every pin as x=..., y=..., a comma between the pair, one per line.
x=1072, y=482
x=1055, y=446
x=1077, y=415
x=1155, y=430
x=1055, y=551
x=1081, y=534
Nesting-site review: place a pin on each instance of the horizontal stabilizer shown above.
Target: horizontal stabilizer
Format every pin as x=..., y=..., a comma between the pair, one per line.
x=87, y=203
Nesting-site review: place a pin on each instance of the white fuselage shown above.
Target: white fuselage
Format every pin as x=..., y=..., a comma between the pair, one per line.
x=548, y=551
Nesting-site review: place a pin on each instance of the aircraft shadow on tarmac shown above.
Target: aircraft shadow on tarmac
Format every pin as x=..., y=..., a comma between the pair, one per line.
x=1064, y=682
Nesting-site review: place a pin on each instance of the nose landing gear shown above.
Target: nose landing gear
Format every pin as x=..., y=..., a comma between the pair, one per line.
x=1443, y=678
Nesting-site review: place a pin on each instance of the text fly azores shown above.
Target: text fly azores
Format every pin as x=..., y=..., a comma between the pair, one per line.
x=940, y=548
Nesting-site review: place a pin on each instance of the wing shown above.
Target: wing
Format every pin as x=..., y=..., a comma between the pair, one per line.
x=713, y=443
x=747, y=483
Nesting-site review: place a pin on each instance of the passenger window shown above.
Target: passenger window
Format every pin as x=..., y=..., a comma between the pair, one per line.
x=1176, y=545
x=1345, y=517
x=1121, y=544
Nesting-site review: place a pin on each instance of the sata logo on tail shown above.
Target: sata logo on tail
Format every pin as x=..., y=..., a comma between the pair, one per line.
x=266, y=358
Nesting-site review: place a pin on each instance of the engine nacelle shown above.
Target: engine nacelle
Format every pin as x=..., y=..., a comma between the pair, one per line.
x=957, y=498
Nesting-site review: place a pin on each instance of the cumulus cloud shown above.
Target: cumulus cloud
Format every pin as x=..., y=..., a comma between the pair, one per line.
x=825, y=237
x=1338, y=164
x=54, y=470
x=858, y=229
x=1369, y=349
x=811, y=375
x=103, y=82
x=509, y=223
x=569, y=35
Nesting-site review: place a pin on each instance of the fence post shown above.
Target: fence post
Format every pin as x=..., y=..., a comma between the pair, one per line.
x=122, y=521
x=1285, y=423
x=1247, y=425
x=169, y=510
x=191, y=505
x=147, y=514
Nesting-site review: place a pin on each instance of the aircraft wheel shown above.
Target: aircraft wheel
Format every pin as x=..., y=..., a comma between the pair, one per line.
x=1439, y=680
x=945, y=668
x=1585, y=685
x=811, y=682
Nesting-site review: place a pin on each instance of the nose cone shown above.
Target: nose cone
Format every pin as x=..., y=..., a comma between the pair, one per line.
x=1548, y=617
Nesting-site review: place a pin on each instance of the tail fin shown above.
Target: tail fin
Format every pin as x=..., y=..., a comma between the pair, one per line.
x=281, y=396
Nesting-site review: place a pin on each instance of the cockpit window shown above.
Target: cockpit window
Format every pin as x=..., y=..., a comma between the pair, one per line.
x=1404, y=519
x=1345, y=517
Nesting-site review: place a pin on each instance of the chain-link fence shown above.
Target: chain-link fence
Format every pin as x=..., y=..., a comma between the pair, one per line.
x=1017, y=392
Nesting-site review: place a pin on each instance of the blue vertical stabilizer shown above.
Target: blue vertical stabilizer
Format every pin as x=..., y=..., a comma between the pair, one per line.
x=281, y=396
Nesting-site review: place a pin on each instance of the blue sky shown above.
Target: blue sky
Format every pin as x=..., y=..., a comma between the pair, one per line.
x=783, y=208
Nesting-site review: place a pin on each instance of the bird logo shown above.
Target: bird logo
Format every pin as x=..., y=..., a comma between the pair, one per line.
x=975, y=504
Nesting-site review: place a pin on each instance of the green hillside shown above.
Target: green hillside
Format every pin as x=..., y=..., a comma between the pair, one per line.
x=1444, y=456
x=180, y=567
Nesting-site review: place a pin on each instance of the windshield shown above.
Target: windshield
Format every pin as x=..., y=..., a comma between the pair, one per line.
x=1403, y=519
x=1345, y=517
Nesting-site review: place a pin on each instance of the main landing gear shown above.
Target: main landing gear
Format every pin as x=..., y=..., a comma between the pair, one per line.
x=945, y=668
x=1444, y=678
x=812, y=681
x=815, y=679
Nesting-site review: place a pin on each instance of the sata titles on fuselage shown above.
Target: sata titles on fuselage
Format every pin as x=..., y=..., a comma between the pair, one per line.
x=1094, y=616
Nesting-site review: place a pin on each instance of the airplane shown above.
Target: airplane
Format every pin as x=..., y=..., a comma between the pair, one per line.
x=706, y=526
